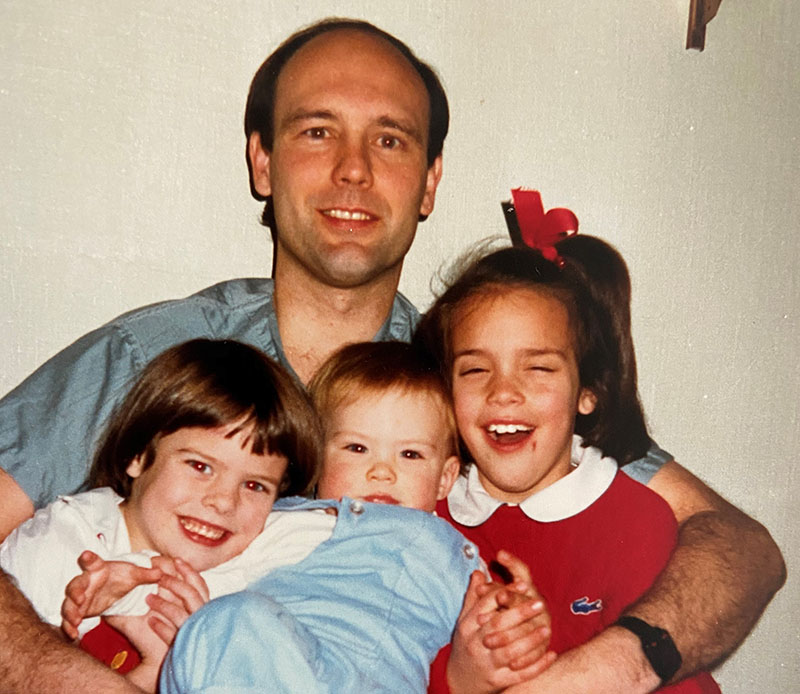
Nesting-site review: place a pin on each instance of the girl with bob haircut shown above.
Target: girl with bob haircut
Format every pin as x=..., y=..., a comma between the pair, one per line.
x=540, y=360
x=210, y=435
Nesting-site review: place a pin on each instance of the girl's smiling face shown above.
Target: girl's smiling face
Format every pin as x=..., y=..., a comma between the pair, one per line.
x=205, y=497
x=516, y=389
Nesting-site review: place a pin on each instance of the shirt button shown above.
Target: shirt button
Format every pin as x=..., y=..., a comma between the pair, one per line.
x=356, y=507
x=469, y=551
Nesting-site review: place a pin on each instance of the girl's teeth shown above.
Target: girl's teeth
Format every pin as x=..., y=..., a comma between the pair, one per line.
x=507, y=428
x=202, y=529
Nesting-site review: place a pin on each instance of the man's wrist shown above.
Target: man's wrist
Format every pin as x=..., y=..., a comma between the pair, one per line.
x=656, y=645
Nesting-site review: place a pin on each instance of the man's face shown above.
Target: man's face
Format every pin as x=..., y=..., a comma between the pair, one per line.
x=347, y=169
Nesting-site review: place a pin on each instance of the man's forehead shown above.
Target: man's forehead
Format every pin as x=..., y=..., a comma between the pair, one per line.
x=353, y=55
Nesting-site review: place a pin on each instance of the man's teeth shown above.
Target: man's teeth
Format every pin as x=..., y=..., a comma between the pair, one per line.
x=348, y=214
x=507, y=428
x=202, y=529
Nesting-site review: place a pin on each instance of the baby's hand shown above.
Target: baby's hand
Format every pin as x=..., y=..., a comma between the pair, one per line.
x=502, y=634
x=100, y=585
x=181, y=592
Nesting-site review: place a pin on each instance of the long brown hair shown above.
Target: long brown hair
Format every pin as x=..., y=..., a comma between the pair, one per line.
x=594, y=287
x=212, y=383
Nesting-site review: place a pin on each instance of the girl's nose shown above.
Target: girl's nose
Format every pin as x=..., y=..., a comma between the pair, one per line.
x=220, y=497
x=504, y=389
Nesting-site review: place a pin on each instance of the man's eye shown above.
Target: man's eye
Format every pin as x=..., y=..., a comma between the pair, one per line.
x=389, y=142
x=203, y=468
x=411, y=454
x=316, y=133
x=355, y=448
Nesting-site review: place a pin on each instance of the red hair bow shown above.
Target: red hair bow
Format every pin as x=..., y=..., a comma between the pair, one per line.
x=529, y=224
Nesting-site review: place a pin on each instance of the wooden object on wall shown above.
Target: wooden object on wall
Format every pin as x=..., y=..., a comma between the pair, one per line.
x=701, y=12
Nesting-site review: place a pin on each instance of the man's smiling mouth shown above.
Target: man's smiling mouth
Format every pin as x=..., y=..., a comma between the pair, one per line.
x=348, y=215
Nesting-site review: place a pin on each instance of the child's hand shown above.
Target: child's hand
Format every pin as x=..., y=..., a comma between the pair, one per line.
x=518, y=637
x=100, y=585
x=181, y=592
x=502, y=634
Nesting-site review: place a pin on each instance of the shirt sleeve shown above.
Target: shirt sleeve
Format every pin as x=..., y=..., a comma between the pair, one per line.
x=50, y=423
x=41, y=555
x=643, y=469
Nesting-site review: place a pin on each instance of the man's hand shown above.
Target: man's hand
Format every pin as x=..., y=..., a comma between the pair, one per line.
x=100, y=585
x=502, y=634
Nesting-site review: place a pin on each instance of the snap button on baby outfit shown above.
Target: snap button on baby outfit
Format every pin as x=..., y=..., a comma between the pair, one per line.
x=469, y=551
x=356, y=507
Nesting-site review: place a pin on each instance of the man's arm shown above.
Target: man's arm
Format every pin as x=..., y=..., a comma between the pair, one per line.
x=35, y=658
x=724, y=571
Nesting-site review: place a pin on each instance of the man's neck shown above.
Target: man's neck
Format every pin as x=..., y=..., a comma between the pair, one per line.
x=315, y=319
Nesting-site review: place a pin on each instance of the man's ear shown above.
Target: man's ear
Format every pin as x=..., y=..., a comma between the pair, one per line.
x=433, y=177
x=450, y=471
x=136, y=466
x=258, y=161
x=587, y=401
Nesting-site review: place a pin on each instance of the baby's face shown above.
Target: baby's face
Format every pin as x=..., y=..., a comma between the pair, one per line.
x=392, y=448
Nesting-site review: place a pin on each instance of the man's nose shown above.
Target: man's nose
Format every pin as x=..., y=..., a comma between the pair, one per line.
x=353, y=165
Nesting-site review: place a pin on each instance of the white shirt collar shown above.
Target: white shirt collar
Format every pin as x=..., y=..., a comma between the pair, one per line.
x=470, y=504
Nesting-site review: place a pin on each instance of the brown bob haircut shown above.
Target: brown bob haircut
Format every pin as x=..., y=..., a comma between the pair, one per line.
x=371, y=368
x=260, y=110
x=209, y=384
x=594, y=287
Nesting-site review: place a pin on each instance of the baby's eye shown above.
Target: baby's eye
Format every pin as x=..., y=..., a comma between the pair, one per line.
x=411, y=454
x=199, y=466
x=355, y=448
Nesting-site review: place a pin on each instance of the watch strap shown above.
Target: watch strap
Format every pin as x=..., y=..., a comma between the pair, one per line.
x=658, y=646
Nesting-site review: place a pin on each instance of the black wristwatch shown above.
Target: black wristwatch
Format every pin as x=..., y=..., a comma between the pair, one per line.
x=658, y=647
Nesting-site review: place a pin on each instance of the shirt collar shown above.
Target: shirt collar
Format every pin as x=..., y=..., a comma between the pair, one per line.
x=470, y=504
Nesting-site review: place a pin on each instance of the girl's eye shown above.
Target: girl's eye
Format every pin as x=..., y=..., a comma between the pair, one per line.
x=198, y=466
x=411, y=454
x=254, y=486
x=541, y=368
x=471, y=370
x=355, y=448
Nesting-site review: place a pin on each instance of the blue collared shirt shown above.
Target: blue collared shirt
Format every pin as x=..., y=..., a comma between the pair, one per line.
x=50, y=423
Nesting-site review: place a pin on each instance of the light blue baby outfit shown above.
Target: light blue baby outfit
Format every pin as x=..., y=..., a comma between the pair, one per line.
x=367, y=611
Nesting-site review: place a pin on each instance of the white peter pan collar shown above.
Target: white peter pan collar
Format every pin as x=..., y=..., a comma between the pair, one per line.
x=470, y=504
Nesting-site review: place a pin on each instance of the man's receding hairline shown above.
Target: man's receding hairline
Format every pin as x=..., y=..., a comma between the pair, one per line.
x=363, y=31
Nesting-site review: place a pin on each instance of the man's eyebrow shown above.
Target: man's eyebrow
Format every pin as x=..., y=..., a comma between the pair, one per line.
x=303, y=114
x=406, y=128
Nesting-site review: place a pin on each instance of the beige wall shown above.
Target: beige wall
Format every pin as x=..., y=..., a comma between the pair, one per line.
x=122, y=181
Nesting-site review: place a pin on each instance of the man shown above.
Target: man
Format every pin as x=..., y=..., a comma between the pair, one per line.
x=345, y=130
